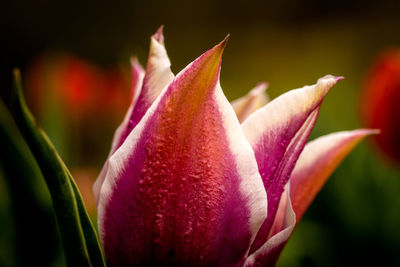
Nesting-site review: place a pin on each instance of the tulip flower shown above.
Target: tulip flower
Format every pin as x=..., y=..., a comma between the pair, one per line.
x=379, y=102
x=187, y=184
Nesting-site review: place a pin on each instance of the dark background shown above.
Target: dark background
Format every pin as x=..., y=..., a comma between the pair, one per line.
x=355, y=219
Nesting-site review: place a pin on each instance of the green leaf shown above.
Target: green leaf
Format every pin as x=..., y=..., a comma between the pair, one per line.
x=80, y=241
x=29, y=200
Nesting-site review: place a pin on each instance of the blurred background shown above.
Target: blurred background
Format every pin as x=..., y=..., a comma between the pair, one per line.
x=74, y=57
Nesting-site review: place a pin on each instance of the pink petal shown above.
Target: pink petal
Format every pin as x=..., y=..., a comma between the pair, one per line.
x=146, y=86
x=158, y=75
x=278, y=133
x=138, y=75
x=184, y=188
x=317, y=162
x=137, y=81
x=249, y=103
x=269, y=252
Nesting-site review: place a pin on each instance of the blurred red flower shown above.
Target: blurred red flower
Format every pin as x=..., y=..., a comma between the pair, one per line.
x=81, y=88
x=78, y=104
x=380, y=102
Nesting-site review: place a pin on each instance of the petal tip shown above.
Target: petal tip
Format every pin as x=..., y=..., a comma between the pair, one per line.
x=263, y=84
x=375, y=131
x=330, y=77
x=325, y=84
x=223, y=43
x=134, y=61
x=215, y=54
x=339, y=78
x=159, y=35
x=370, y=131
x=136, y=66
x=226, y=38
x=260, y=88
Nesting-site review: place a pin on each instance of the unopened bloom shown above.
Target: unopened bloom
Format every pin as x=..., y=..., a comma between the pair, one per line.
x=187, y=184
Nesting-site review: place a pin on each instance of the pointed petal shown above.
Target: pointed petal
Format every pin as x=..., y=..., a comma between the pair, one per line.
x=146, y=86
x=158, y=76
x=317, y=162
x=184, y=187
x=268, y=253
x=137, y=81
x=249, y=103
x=138, y=75
x=278, y=133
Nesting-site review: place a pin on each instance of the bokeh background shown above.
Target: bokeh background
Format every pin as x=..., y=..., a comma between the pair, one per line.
x=74, y=58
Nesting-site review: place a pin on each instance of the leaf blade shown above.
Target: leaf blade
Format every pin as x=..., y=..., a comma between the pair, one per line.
x=74, y=223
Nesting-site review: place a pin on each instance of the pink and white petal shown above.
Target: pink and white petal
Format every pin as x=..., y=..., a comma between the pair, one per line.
x=146, y=86
x=278, y=133
x=137, y=81
x=285, y=221
x=184, y=187
x=157, y=77
x=249, y=103
x=317, y=162
x=282, y=212
x=138, y=75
